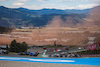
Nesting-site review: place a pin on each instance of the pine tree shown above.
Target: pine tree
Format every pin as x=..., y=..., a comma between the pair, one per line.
x=13, y=46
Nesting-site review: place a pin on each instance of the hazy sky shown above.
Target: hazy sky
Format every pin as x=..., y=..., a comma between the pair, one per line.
x=58, y=4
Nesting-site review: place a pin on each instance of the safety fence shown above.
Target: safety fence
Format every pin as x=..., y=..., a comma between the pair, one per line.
x=92, y=55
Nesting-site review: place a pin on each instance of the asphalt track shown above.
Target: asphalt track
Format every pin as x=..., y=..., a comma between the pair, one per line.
x=79, y=61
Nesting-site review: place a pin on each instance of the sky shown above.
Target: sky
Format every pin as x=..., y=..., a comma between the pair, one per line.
x=51, y=4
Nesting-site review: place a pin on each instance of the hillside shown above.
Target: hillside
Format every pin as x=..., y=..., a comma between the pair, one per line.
x=11, y=17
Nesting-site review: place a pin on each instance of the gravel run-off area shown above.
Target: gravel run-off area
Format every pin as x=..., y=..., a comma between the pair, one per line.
x=33, y=64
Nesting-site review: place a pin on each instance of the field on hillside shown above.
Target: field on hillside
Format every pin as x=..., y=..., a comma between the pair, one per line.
x=49, y=35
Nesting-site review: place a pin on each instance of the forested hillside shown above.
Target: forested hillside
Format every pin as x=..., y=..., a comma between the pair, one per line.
x=11, y=17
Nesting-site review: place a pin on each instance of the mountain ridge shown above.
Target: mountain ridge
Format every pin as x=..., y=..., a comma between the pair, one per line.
x=18, y=17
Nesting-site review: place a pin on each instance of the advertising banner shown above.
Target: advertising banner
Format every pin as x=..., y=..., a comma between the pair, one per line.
x=92, y=47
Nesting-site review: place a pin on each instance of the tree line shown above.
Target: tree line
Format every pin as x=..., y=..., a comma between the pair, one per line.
x=5, y=30
x=18, y=47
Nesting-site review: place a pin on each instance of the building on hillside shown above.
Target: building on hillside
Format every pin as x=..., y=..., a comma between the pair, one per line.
x=4, y=49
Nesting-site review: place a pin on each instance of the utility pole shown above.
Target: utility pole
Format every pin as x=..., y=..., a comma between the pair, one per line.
x=55, y=43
